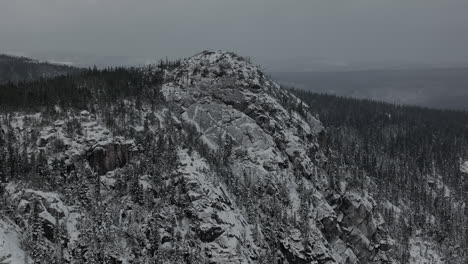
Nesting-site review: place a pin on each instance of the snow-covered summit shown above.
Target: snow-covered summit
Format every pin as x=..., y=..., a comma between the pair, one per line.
x=211, y=66
x=224, y=94
x=229, y=99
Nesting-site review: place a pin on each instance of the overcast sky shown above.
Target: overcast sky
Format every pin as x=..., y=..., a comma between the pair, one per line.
x=338, y=30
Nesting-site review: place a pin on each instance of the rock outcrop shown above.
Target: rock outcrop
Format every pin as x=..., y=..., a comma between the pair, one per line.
x=52, y=211
x=106, y=157
x=228, y=99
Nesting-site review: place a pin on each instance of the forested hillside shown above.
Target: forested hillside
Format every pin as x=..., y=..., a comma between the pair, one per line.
x=16, y=69
x=416, y=157
x=207, y=160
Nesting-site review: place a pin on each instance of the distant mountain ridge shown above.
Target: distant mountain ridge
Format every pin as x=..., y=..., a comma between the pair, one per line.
x=430, y=87
x=16, y=69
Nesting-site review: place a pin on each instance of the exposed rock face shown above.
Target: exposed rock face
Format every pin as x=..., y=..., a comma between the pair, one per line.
x=50, y=209
x=209, y=233
x=107, y=157
x=218, y=223
x=358, y=225
x=224, y=96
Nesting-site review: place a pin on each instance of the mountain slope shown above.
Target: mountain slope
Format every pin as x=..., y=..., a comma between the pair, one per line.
x=205, y=160
x=225, y=96
x=416, y=156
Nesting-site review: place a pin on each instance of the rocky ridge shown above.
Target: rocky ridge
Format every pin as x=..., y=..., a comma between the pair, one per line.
x=269, y=201
x=224, y=95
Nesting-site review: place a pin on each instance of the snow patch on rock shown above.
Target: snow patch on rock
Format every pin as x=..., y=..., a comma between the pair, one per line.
x=423, y=252
x=10, y=243
x=464, y=167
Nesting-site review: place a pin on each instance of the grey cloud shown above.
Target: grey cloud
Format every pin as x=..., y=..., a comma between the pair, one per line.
x=339, y=30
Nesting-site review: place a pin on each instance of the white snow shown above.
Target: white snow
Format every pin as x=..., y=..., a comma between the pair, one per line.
x=71, y=216
x=71, y=223
x=422, y=252
x=203, y=192
x=395, y=209
x=464, y=167
x=10, y=244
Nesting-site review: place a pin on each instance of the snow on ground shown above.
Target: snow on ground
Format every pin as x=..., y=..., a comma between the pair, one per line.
x=49, y=201
x=395, y=209
x=93, y=133
x=422, y=252
x=464, y=167
x=54, y=202
x=72, y=223
x=10, y=245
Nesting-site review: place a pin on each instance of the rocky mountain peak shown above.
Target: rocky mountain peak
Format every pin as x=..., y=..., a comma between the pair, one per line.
x=238, y=111
x=210, y=67
x=225, y=95
x=228, y=166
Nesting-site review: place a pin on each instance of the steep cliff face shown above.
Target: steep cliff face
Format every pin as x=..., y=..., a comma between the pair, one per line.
x=109, y=156
x=224, y=96
x=230, y=100
x=249, y=185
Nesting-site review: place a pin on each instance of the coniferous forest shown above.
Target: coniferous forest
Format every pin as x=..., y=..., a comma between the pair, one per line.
x=206, y=160
x=341, y=137
x=17, y=69
x=407, y=151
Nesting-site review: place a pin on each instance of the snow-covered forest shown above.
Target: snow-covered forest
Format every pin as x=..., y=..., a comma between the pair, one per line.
x=208, y=160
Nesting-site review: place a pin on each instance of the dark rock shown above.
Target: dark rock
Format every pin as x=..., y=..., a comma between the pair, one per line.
x=385, y=245
x=209, y=234
x=42, y=142
x=166, y=239
x=331, y=227
x=290, y=256
x=232, y=97
x=49, y=230
x=109, y=157
x=112, y=260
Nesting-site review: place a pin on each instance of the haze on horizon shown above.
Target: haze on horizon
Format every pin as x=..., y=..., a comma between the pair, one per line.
x=332, y=32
